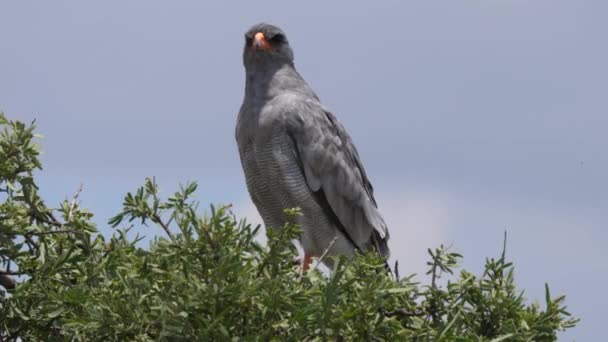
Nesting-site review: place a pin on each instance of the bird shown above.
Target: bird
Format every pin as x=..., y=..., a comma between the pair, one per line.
x=295, y=153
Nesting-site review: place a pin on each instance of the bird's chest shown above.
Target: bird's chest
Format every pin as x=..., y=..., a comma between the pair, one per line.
x=263, y=135
x=273, y=175
x=272, y=157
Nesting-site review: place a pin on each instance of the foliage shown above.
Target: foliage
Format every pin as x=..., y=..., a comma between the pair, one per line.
x=210, y=279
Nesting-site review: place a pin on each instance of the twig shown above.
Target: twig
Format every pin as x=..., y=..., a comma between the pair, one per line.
x=502, y=257
x=5, y=272
x=434, y=275
x=51, y=220
x=171, y=219
x=433, y=303
x=397, y=270
x=30, y=241
x=58, y=231
x=73, y=204
x=403, y=313
x=504, y=247
x=156, y=219
x=325, y=252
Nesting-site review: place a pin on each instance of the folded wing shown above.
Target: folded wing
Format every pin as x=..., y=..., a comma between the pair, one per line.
x=334, y=172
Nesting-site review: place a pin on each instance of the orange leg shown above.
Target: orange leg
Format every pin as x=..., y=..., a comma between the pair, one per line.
x=306, y=262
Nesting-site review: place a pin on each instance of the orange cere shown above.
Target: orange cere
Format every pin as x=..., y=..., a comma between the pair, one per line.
x=261, y=41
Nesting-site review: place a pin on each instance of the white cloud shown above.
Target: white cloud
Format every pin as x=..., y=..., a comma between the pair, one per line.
x=244, y=209
x=416, y=221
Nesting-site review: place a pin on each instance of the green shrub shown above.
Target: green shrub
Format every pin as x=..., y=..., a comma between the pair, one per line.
x=209, y=278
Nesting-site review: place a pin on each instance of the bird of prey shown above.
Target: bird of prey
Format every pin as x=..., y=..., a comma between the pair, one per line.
x=295, y=153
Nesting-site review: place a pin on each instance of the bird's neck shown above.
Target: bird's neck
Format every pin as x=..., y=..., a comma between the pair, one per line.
x=267, y=81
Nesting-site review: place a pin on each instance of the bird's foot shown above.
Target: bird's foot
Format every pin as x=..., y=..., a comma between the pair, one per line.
x=306, y=262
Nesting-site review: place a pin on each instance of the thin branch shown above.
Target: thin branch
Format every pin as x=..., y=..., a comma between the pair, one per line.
x=504, y=247
x=331, y=244
x=58, y=231
x=433, y=302
x=5, y=272
x=51, y=220
x=156, y=219
x=54, y=219
x=434, y=275
x=30, y=241
x=396, y=270
x=30, y=246
x=73, y=204
x=171, y=219
x=403, y=313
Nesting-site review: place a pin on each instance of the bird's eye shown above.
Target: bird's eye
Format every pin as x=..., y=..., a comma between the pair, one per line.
x=278, y=38
x=248, y=41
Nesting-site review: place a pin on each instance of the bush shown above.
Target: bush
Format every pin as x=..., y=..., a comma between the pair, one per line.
x=208, y=278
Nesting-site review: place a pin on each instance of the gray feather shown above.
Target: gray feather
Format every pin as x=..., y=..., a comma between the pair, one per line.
x=295, y=153
x=332, y=164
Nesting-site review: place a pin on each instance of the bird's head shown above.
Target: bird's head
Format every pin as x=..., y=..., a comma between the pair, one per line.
x=266, y=43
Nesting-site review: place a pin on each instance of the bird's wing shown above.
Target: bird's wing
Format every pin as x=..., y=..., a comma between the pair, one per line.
x=334, y=171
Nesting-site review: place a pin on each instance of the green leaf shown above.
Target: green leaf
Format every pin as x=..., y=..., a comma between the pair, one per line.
x=56, y=313
x=502, y=338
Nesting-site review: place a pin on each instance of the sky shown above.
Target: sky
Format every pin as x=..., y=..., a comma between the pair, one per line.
x=471, y=117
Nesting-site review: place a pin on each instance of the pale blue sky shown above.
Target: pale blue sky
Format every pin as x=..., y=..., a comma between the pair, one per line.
x=471, y=117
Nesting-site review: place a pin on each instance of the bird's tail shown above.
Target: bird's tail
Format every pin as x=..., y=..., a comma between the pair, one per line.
x=381, y=246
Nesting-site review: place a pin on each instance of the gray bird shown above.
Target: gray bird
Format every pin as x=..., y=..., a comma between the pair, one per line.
x=295, y=153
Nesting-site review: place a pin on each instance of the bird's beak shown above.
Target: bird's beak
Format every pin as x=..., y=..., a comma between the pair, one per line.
x=260, y=42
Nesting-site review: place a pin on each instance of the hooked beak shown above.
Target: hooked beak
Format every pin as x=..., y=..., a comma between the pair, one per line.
x=260, y=42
